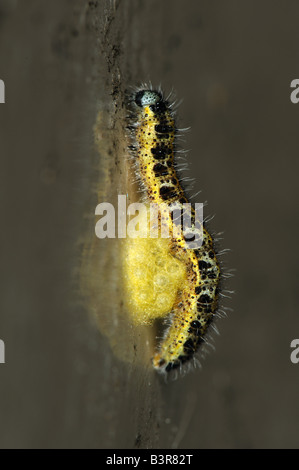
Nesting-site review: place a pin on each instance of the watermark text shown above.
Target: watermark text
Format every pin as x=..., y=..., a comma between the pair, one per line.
x=2, y=352
x=182, y=221
x=295, y=353
x=2, y=92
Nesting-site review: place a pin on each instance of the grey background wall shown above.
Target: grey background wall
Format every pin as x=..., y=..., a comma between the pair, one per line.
x=64, y=62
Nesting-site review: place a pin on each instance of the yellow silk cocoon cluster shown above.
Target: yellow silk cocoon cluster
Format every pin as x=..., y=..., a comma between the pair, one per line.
x=152, y=277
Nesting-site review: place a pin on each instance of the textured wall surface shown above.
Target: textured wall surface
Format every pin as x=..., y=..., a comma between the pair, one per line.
x=66, y=65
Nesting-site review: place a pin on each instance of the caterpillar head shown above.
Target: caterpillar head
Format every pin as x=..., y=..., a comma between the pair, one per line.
x=151, y=98
x=147, y=98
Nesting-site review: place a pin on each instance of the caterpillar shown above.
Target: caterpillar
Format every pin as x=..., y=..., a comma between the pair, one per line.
x=154, y=148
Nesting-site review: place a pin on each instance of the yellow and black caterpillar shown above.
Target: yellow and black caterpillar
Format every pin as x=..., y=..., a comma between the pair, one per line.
x=196, y=301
